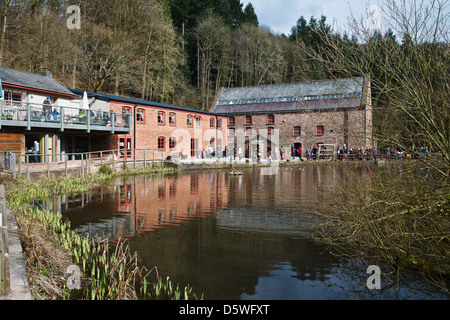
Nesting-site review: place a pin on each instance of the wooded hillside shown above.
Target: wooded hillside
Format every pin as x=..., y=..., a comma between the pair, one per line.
x=175, y=51
x=182, y=51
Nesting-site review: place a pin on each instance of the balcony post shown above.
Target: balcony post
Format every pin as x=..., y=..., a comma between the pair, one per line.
x=61, y=119
x=113, y=121
x=88, y=119
x=28, y=117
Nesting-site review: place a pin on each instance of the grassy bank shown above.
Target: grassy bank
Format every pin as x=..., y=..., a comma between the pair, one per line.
x=62, y=264
x=397, y=216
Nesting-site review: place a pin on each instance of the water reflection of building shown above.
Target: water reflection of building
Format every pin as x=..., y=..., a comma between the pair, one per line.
x=137, y=205
x=279, y=203
x=254, y=201
x=169, y=200
x=291, y=185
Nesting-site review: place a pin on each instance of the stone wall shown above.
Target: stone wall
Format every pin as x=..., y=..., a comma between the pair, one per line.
x=342, y=126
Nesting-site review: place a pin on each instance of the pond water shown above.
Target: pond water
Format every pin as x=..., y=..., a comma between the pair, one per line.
x=230, y=237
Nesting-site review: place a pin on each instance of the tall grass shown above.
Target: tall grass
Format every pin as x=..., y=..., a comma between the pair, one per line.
x=108, y=271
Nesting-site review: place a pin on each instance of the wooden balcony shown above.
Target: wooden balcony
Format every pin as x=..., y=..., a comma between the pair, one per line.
x=29, y=115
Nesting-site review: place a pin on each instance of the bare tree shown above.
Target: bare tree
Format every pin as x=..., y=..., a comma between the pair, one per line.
x=103, y=53
x=259, y=56
x=398, y=216
x=211, y=35
x=10, y=11
x=410, y=79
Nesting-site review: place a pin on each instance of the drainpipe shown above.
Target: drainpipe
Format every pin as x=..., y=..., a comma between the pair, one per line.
x=134, y=131
x=217, y=134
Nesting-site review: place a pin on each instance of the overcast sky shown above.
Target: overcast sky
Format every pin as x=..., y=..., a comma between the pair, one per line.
x=282, y=15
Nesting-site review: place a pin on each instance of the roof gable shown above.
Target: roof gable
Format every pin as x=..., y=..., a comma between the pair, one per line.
x=32, y=81
x=313, y=95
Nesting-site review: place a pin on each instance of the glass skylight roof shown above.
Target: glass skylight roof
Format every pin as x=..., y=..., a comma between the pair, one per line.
x=289, y=99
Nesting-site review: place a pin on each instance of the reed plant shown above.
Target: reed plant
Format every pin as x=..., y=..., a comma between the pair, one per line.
x=108, y=271
x=397, y=216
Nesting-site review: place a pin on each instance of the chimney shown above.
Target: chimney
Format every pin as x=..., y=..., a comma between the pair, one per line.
x=47, y=74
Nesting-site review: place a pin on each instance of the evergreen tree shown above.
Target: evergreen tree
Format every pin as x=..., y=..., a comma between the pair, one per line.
x=250, y=16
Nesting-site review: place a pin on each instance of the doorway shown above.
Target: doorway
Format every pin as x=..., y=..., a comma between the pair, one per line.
x=125, y=146
x=247, y=147
x=194, y=147
x=34, y=145
x=297, y=145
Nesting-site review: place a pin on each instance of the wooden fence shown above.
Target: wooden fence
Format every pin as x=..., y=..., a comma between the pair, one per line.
x=89, y=162
x=83, y=163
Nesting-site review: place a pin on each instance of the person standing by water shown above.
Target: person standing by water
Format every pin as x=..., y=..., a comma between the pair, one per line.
x=282, y=152
x=314, y=152
x=35, y=150
x=300, y=152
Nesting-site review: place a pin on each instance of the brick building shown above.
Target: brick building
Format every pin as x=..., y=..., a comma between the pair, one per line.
x=42, y=121
x=170, y=130
x=336, y=112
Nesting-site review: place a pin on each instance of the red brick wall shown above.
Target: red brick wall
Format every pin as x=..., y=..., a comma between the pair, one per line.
x=148, y=131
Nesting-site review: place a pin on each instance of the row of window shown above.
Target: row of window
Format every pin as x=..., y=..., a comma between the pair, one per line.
x=173, y=142
x=271, y=120
x=12, y=95
x=297, y=131
x=249, y=120
x=161, y=118
x=162, y=143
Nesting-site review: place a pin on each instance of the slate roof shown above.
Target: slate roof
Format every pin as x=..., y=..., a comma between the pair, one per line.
x=292, y=97
x=32, y=81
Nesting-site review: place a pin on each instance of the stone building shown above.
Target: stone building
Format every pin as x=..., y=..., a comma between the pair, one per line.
x=336, y=112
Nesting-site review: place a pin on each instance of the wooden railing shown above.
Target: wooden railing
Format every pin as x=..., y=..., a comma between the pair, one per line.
x=84, y=162
x=362, y=156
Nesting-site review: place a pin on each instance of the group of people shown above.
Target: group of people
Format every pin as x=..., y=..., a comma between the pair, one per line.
x=313, y=152
x=357, y=153
x=210, y=152
x=297, y=152
x=49, y=113
x=47, y=110
x=399, y=153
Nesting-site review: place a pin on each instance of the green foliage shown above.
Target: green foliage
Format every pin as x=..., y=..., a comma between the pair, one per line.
x=168, y=291
x=107, y=272
x=167, y=51
x=105, y=169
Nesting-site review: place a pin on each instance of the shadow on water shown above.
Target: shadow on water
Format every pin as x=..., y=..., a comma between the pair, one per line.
x=230, y=237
